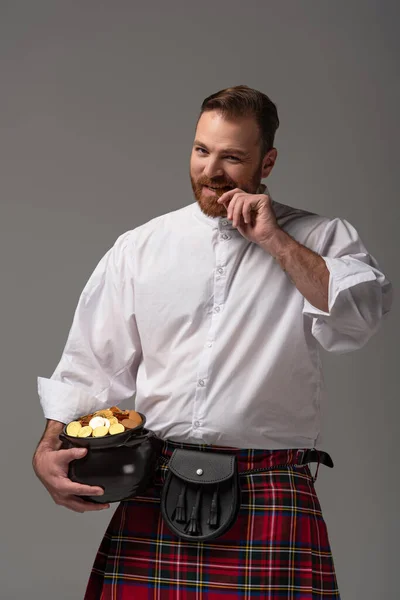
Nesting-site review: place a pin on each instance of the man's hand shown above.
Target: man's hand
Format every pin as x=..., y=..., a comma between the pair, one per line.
x=251, y=214
x=51, y=467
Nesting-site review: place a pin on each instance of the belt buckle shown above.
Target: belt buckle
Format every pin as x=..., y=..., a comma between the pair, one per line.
x=300, y=457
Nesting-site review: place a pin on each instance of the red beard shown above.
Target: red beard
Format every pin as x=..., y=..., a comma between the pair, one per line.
x=208, y=200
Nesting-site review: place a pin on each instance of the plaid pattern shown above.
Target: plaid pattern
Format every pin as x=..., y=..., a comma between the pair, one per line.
x=277, y=549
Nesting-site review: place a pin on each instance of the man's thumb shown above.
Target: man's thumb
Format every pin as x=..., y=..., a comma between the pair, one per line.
x=78, y=452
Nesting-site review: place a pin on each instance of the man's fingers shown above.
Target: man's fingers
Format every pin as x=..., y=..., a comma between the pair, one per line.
x=247, y=213
x=81, y=506
x=58, y=479
x=64, y=457
x=52, y=468
x=66, y=487
x=237, y=211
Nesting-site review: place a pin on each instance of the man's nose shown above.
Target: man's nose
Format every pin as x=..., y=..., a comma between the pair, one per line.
x=213, y=168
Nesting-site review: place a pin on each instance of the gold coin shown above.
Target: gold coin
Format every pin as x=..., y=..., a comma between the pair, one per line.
x=85, y=431
x=116, y=428
x=104, y=413
x=73, y=428
x=100, y=431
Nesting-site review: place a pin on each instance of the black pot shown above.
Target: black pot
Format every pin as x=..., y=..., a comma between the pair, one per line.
x=122, y=464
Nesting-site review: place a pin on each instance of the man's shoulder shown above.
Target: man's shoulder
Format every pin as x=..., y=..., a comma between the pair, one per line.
x=305, y=226
x=290, y=214
x=164, y=222
x=161, y=225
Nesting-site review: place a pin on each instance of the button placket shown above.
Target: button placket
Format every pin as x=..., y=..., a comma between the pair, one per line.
x=205, y=357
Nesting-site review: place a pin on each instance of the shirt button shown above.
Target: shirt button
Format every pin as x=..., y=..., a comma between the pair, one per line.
x=220, y=270
x=224, y=222
x=197, y=424
x=201, y=382
x=225, y=236
x=209, y=344
x=217, y=309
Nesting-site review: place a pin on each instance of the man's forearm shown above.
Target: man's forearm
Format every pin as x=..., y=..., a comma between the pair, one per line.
x=306, y=269
x=50, y=439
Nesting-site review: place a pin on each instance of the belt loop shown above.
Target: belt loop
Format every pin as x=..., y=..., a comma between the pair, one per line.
x=316, y=472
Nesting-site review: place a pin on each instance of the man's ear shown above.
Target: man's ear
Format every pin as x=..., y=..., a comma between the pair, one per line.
x=269, y=161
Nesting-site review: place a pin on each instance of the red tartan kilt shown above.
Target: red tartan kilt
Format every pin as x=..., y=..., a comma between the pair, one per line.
x=277, y=549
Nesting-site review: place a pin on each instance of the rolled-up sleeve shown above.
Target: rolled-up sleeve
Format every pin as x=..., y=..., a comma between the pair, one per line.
x=359, y=294
x=100, y=359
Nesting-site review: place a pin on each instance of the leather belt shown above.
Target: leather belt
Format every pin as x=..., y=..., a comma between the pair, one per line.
x=312, y=455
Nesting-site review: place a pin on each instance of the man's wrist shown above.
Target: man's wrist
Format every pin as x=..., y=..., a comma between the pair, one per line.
x=50, y=439
x=279, y=245
x=49, y=445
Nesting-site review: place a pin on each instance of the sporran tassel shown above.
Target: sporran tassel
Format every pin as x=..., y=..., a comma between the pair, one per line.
x=213, y=519
x=193, y=526
x=179, y=514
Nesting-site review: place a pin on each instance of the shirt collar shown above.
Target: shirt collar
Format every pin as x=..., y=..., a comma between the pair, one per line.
x=222, y=222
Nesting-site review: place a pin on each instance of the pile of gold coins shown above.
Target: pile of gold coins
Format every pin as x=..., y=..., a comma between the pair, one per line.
x=104, y=422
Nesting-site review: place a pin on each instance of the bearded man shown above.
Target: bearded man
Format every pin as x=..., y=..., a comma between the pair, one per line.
x=213, y=316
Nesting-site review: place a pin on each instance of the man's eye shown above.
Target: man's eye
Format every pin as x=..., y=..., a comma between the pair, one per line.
x=201, y=150
x=233, y=158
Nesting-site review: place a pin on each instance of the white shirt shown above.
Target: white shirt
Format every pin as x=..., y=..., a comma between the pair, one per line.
x=209, y=333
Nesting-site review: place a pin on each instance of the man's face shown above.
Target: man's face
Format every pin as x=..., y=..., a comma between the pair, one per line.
x=226, y=154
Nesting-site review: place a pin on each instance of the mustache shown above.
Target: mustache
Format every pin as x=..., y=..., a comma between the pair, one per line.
x=217, y=184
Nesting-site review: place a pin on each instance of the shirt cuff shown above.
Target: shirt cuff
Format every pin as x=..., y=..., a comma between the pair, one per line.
x=63, y=402
x=344, y=273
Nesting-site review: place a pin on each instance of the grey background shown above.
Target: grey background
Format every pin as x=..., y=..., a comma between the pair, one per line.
x=98, y=106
